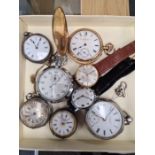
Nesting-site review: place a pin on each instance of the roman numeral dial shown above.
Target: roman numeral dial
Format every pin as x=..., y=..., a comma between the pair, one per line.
x=63, y=123
x=85, y=45
x=37, y=48
x=105, y=119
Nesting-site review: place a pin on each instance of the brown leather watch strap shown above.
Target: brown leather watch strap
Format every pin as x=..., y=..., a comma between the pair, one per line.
x=112, y=60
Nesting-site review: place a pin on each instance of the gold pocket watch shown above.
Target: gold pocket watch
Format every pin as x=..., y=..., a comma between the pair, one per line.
x=85, y=46
x=35, y=112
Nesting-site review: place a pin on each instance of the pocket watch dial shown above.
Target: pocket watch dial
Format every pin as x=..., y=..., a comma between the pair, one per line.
x=105, y=120
x=87, y=75
x=83, y=98
x=54, y=84
x=34, y=113
x=85, y=44
x=63, y=123
x=36, y=48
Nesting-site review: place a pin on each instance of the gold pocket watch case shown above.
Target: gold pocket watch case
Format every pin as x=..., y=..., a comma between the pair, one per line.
x=85, y=46
x=60, y=31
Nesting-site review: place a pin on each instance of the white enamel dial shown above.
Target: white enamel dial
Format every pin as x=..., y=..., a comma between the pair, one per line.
x=36, y=48
x=85, y=44
x=87, y=75
x=83, y=98
x=63, y=123
x=34, y=113
x=54, y=84
x=105, y=120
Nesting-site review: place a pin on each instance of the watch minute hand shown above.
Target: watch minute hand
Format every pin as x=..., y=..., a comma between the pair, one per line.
x=99, y=115
x=109, y=113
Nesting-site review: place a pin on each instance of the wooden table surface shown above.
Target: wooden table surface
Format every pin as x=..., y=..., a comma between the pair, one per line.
x=105, y=7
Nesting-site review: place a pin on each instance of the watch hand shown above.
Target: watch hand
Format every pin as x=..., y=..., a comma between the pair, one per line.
x=90, y=72
x=57, y=80
x=109, y=113
x=68, y=122
x=78, y=97
x=33, y=43
x=38, y=43
x=87, y=97
x=83, y=45
x=99, y=115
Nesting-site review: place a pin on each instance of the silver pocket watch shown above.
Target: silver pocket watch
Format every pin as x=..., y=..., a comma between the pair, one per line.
x=36, y=47
x=35, y=112
x=106, y=120
x=63, y=123
x=54, y=83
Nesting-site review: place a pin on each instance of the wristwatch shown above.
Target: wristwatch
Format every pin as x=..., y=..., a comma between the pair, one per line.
x=88, y=75
x=122, y=69
x=83, y=98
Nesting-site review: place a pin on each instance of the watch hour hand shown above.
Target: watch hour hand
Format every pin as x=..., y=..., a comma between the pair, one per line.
x=79, y=97
x=83, y=45
x=33, y=43
x=87, y=98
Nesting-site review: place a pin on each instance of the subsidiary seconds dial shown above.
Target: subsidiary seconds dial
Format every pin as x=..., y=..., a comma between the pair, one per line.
x=105, y=119
x=85, y=45
x=36, y=47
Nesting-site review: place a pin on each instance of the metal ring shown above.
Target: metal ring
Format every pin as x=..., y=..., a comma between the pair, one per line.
x=120, y=90
x=108, y=49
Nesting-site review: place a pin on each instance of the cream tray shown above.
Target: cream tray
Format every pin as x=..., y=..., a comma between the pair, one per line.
x=115, y=29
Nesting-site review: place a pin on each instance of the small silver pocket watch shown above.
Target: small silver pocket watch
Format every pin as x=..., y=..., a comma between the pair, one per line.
x=36, y=47
x=35, y=112
x=63, y=123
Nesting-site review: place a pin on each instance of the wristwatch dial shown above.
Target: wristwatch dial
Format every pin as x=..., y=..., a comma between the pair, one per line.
x=87, y=75
x=105, y=119
x=85, y=45
x=54, y=84
x=37, y=48
x=63, y=123
x=34, y=113
x=83, y=98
